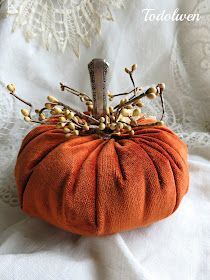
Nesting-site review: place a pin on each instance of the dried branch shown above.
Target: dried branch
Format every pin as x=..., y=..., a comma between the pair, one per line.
x=75, y=92
x=82, y=115
x=121, y=119
x=23, y=101
x=163, y=105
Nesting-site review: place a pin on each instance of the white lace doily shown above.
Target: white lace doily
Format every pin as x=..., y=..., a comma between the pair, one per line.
x=190, y=72
x=60, y=23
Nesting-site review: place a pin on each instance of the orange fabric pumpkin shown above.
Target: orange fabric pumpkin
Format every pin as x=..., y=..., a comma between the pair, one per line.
x=91, y=186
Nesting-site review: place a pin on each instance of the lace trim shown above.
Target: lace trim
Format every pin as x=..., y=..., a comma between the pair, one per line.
x=60, y=23
x=190, y=70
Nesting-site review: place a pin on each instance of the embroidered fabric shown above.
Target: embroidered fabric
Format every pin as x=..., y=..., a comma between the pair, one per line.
x=190, y=69
x=59, y=23
x=187, y=109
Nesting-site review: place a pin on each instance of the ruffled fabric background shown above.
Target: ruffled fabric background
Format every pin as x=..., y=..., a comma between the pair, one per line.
x=43, y=50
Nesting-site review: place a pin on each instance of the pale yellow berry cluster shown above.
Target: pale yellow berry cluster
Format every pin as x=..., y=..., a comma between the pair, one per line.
x=123, y=118
x=59, y=115
x=116, y=121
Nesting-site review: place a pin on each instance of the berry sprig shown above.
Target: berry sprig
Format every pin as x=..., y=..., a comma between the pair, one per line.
x=122, y=118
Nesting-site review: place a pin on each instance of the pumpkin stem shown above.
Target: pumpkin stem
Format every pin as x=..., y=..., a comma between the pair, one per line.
x=98, y=72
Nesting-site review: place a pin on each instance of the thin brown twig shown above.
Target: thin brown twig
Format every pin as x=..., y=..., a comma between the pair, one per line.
x=133, y=82
x=23, y=101
x=74, y=91
x=40, y=122
x=130, y=101
x=126, y=93
x=163, y=104
x=93, y=122
x=82, y=115
x=147, y=124
x=42, y=110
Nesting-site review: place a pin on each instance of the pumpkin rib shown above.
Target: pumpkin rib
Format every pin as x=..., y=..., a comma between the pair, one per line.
x=64, y=214
x=154, y=164
x=78, y=176
x=156, y=141
x=32, y=136
x=176, y=192
x=34, y=164
x=100, y=225
x=156, y=167
x=151, y=130
x=122, y=171
x=96, y=189
x=97, y=201
x=131, y=146
x=89, y=138
x=101, y=206
x=162, y=143
x=147, y=194
x=172, y=134
x=168, y=145
x=74, y=188
x=62, y=195
x=28, y=179
x=172, y=171
x=162, y=152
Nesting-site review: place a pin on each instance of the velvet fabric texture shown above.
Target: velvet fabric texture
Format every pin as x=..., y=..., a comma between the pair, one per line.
x=91, y=186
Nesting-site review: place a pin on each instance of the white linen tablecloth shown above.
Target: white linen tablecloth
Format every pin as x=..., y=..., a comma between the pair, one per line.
x=175, y=53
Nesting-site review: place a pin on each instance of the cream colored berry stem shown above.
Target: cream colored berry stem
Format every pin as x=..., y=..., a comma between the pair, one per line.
x=22, y=100
x=82, y=115
x=74, y=91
